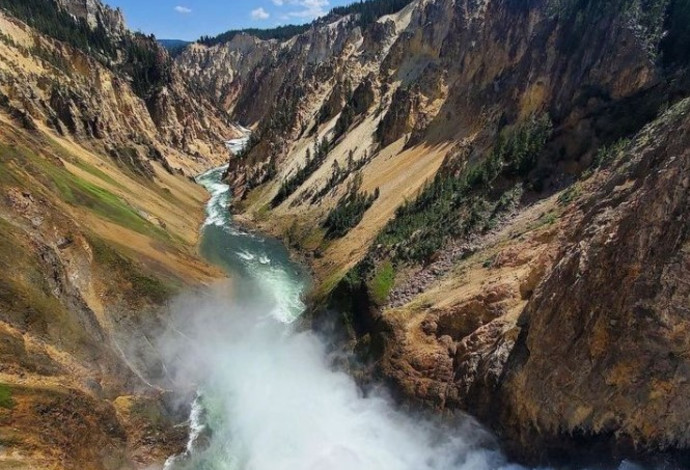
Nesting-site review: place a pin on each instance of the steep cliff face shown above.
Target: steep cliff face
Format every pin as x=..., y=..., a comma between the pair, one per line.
x=484, y=256
x=444, y=71
x=289, y=87
x=95, y=14
x=98, y=229
x=606, y=356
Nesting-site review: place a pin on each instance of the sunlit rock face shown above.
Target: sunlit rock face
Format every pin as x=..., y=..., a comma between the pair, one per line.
x=95, y=13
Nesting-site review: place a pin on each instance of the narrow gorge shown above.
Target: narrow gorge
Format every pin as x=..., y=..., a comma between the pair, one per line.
x=409, y=234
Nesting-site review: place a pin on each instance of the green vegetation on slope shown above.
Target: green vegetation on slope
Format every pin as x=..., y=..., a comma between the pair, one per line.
x=382, y=283
x=77, y=191
x=148, y=66
x=92, y=170
x=338, y=175
x=291, y=184
x=6, y=397
x=143, y=59
x=281, y=33
x=349, y=210
x=446, y=208
x=174, y=46
x=48, y=18
x=369, y=11
x=141, y=285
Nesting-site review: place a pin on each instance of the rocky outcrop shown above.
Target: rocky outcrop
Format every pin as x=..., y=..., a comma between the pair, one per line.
x=605, y=358
x=98, y=101
x=399, y=119
x=97, y=14
x=291, y=89
x=440, y=72
x=98, y=228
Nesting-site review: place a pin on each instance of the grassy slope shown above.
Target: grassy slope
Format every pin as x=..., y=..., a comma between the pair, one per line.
x=129, y=246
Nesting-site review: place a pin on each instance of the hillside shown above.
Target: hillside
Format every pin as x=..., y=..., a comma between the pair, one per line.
x=462, y=177
x=99, y=226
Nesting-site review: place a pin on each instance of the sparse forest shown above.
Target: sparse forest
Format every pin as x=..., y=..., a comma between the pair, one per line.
x=349, y=211
x=367, y=13
x=136, y=55
x=313, y=162
x=281, y=33
x=48, y=18
x=448, y=206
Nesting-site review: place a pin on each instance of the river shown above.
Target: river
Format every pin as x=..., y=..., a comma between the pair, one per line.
x=268, y=396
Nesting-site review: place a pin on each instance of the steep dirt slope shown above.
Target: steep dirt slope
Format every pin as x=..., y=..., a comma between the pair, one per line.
x=98, y=229
x=93, y=97
x=88, y=253
x=439, y=79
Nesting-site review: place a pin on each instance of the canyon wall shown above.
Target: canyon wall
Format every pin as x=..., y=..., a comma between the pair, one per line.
x=99, y=134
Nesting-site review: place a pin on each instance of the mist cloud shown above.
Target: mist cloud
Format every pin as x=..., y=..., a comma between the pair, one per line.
x=273, y=401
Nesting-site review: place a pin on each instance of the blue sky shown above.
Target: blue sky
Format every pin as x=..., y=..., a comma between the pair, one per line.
x=190, y=19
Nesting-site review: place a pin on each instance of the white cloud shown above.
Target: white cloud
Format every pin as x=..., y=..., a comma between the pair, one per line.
x=183, y=10
x=310, y=8
x=260, y=14
x=305, y=9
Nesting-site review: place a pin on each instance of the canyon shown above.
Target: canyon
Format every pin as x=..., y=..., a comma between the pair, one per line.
x=491, y=197
x=477, y=188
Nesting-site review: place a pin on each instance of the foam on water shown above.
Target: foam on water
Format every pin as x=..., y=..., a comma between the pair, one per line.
x=272, y=401
x=219, y=202
x=196, y=427
x=237, y=145
x=274, y=279
x=245, y=256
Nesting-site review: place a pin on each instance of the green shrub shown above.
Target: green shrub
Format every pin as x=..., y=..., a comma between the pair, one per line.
x=6, y=400
x=607, y=154
x=382, y=284
x=338, y=175
x=569, y=195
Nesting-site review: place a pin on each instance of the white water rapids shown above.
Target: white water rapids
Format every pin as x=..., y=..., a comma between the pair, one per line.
x=269, y=398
